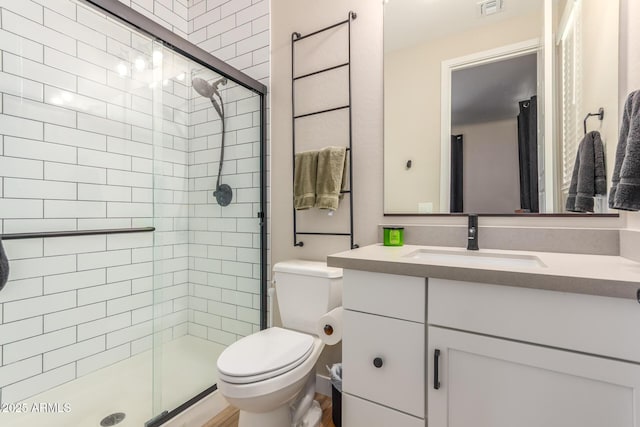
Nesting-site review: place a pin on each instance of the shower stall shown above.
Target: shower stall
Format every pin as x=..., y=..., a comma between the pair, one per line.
x=132, y=210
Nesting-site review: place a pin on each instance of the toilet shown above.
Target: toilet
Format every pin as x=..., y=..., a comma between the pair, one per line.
x=270, y=375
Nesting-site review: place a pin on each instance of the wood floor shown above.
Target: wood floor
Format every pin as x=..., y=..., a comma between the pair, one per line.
x=229, y=416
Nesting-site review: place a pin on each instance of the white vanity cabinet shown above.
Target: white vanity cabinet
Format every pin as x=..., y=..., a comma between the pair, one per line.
x=505, y=356
x=383, y=350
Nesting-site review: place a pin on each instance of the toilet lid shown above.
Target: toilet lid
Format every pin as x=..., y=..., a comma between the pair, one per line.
x=264, y=354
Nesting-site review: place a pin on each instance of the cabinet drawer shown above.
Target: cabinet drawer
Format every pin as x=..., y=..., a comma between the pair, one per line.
x=400, y=346
x=402, y=297
x=587, y=323
x=360, y=413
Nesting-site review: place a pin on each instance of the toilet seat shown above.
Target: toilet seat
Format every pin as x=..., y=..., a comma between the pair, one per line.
x=264, y=355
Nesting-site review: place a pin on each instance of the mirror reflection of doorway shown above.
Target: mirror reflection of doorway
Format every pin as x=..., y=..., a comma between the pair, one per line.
x=494, y=110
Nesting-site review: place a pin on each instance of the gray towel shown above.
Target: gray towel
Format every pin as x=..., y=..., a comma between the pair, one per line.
x=588, y=178
x=625, y=189
x=4, y=267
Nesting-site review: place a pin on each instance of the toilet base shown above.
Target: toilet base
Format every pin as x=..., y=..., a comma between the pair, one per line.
x=304, y=411
x=279, y=417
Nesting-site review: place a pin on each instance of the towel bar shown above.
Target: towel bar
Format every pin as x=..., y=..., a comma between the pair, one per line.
x=70, y=233
x=600, y=115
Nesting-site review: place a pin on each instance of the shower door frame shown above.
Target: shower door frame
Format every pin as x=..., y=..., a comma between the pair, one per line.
x=172, y=41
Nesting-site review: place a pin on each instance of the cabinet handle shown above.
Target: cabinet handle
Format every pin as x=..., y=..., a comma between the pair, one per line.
x=436, y=370
x=377, y=362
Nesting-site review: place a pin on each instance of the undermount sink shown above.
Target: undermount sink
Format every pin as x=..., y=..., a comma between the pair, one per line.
x=475, y=259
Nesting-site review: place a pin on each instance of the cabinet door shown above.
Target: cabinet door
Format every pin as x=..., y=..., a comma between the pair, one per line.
x=491, y=382
x=383, y=361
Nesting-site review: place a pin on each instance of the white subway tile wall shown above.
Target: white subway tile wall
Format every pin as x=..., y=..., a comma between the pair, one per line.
x=224, y=244
x=224, y=279
x=80, y=148
x=76, y=152
x=216, y=302
x=171, y=14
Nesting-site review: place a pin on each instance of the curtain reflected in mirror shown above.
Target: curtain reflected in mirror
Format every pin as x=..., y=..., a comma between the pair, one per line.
x=528, y=154
x=457, y=174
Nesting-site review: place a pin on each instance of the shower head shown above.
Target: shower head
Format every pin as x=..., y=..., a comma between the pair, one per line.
x=223, y=192
x=207, y=89
x=202, y=87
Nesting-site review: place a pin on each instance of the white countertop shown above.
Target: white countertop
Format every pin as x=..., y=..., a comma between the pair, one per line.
x=602, y=275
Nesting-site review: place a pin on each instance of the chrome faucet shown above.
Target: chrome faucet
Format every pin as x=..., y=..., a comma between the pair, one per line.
x=472, y=233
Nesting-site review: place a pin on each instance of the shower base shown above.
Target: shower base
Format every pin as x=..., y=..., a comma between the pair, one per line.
x=188, y=368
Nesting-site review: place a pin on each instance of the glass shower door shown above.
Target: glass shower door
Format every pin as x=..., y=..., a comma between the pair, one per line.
x=207, y=137
x=102, y=135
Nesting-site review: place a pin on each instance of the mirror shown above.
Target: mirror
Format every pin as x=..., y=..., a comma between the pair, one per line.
x=485, y=103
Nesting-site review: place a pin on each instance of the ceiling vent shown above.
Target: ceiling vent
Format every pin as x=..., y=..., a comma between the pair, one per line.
x=490, y=7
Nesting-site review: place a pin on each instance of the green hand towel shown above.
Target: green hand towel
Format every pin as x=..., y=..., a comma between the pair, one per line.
x=331, y=177
x=304, y=183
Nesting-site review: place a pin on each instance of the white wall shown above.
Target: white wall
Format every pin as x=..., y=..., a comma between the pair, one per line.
x=600, y=79
x=490, y=189
x=306, y=16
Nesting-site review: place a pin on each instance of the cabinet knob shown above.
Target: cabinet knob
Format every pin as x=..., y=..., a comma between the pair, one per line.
x=377, y=362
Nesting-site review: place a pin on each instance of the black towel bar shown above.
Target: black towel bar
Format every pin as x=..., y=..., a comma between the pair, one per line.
x=70, y=233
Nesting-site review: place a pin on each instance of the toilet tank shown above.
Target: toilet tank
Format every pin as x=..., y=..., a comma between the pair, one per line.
x=305, y=291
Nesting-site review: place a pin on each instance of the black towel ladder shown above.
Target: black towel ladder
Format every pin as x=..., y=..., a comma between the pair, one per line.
x=296, y=37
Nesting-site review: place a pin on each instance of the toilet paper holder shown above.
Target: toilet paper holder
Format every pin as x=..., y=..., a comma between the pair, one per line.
x=328, y=329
